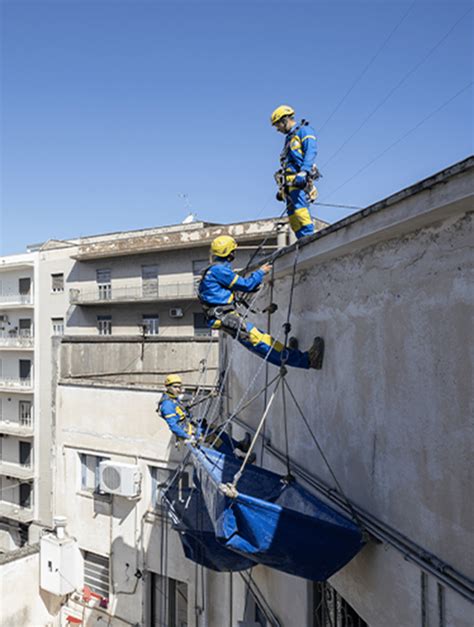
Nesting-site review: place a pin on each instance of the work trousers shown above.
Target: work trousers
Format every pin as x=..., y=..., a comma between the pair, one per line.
x=297, y=201
x=260, y=343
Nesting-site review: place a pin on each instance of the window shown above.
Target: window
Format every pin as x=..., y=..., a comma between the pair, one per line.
x=25, y=454
x=57, y=282
x=174, y=594
x=1, y=409
x=24, y=286
x=151, y=324
x=330, y=609
x=104, y=284
x=90, y=479
x=57, y=326
x=150, y=281
x=24, y=327
x=25, y=413
x=160, y=478
x=104, y=325
x=96, y=573
x=200, y=325
x=25, y=370
x=25, y=494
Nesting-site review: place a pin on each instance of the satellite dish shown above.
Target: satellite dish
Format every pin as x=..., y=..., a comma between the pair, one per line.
x=191, y=217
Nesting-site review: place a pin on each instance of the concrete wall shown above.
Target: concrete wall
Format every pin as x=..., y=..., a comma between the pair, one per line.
x=391, y=292
x=22, y=602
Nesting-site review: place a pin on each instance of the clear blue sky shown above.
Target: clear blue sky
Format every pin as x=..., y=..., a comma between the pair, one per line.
x=111, y=110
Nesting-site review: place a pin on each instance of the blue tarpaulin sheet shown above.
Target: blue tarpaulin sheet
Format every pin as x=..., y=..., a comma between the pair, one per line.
x=191, y=519
x=272, y=522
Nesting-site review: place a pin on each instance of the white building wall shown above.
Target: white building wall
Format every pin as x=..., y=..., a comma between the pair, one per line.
x=392, y=295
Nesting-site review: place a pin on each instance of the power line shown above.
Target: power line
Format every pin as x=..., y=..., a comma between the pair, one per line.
x=359, y=77
x=414, y=128
x=399, y=84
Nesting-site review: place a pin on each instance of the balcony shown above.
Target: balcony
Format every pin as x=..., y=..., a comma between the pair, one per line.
x=15, y=340
x=22, y=429
x=15, y=384
x=16, y=512
x=16, y=300
x=17, y=471
x=106, y=294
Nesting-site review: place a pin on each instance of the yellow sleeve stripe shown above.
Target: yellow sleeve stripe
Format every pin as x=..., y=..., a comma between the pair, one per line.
x=170, y=415
x=234, y=280
x=308, y=137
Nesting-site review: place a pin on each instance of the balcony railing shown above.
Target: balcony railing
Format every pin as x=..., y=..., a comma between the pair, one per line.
x=16, y=512
x=97, y=296
x=15, y=383
x=22, y=428
x=16, y=340
x=16, y=299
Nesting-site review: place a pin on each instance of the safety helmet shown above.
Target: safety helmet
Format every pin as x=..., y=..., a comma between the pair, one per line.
x=223, y=245
x=280, y=113
x=172, y=378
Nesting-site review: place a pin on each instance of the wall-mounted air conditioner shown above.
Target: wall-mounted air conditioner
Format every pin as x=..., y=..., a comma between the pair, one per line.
x=176, y=312
x=120, y=479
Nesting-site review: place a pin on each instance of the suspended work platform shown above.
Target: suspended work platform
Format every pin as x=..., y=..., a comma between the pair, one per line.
x=270, y=521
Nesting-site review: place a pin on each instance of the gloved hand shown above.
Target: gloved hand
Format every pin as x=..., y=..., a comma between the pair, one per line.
x=300, y=180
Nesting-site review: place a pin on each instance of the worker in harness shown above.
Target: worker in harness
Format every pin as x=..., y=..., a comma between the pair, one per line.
x=297, y=173
x=180, y=421
x=217, y=289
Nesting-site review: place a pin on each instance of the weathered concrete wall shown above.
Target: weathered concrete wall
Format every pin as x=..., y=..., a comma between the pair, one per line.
x=130, y=361
x=392, y=295
x=21, y=601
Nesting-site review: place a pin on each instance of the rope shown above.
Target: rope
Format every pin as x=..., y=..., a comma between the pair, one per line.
x=269, y=327
x=238, y=474
x=325, y=459
x=285, y=423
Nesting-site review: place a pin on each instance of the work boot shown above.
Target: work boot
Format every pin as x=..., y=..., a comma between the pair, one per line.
x=316, y=353
x=244, y=444
x=293, y=343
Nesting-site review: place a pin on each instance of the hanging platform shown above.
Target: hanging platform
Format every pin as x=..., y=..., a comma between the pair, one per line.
x=190, y=518
x=271, y=522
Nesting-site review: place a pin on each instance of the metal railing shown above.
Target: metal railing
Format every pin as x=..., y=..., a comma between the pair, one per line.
x=15, y=383
x=16, y=299
x=131, y=294
x=16, y=339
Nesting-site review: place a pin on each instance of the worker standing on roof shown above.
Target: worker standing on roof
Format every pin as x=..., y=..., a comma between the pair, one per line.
x=297, y=173
x=217, y=293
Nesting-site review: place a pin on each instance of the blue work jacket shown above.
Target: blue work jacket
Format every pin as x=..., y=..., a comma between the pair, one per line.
x=175, y=414
x=300, y=150
x=219, y=283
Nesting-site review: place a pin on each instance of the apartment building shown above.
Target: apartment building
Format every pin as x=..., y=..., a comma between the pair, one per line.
x=17, y=396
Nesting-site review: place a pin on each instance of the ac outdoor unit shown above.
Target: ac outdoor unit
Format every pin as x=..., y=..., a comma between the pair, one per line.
x=176, y=312
x=120, y=479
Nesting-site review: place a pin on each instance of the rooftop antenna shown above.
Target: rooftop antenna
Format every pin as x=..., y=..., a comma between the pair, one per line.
x=191, y=217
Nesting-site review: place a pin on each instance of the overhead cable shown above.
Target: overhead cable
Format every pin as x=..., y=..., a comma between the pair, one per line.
x=392, y=145
x=371, y=61
x=394, y=89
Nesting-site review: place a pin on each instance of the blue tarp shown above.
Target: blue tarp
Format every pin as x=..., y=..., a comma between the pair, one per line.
x=271, y=522
x=190, y=518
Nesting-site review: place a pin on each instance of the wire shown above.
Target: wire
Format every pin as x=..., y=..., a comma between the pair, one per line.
x=364, y=71
x=414, y=128
x=393, y=90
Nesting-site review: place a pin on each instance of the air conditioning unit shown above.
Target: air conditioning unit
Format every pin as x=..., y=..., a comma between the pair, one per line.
x=120, y=479
x=176, y=312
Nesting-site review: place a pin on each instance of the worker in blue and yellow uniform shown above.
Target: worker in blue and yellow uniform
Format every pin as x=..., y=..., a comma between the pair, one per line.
x=216, y=292
x=173, y=410
x=180, y=421
x=297, y=173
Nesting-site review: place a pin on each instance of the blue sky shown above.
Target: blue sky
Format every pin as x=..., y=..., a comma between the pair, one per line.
x=111, y=111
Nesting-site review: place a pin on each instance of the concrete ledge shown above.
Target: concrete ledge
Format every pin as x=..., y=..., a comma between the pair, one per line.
x=136, y=339
x=17, y=554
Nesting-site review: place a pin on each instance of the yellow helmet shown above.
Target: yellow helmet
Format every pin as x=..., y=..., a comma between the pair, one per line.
x=280, y=113
x=223, y=245
x=172, y=378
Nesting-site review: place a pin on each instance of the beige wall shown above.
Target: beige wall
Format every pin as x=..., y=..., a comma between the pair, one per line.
x=392, y=296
